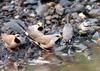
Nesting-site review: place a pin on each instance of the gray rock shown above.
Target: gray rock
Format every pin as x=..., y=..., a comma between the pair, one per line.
x=30, y=1
x=92, y=0
x=95, y=13
x=80, y=46
x=41, y=9
x=14, y=27
x=65, y=2
x=96, y=35
x=89, y=25
x=75, y=8
x=90, y=22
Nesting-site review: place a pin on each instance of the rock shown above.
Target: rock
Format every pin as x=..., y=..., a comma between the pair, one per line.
x=65, y=2
x=31, y=2
x=17, y=17
x=41, y=9
x=3, y=53
x=32, y=15
x=88, y=24
x=59, y=9
x=88, y=7
x=51, y=5
x=76, y=8
x=96, y=35
x=48, y=17
x=95, y=13
x=4, y=7
x=80, y=46
x=82, y=27
x=37, y=61
x=85, y=49
x=98, y=41
x=92, y=0
x=14, y=27
x=82, y=15
x=11, y=66
x=9, y=7
x=76, y=16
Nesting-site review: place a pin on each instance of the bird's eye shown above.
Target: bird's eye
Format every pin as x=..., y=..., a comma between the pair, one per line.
x=16, y=40
x=40, y=28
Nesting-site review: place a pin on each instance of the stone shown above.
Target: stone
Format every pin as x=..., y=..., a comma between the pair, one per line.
x=95, y=13
x=14, y=27
x=65, y=3
x=82, y=15
x=41, y=9
x=59, y=9
x=31, y=2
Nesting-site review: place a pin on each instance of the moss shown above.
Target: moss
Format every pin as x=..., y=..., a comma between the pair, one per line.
x=63, y=68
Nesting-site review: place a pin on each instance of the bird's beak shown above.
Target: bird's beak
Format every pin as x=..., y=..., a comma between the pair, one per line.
x=40, y=24
x=61, y=37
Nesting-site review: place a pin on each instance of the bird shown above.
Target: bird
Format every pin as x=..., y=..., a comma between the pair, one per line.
x=34, y=31
x=11, y=41
x=47, y=41
x=67, y=32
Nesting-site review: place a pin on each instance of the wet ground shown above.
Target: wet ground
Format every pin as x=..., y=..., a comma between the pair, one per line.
x=79, y=64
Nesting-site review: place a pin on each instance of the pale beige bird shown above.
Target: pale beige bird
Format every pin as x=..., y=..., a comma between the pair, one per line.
x=67, y=32
x=34, y=31
x=11, y=41
x=47, y=41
